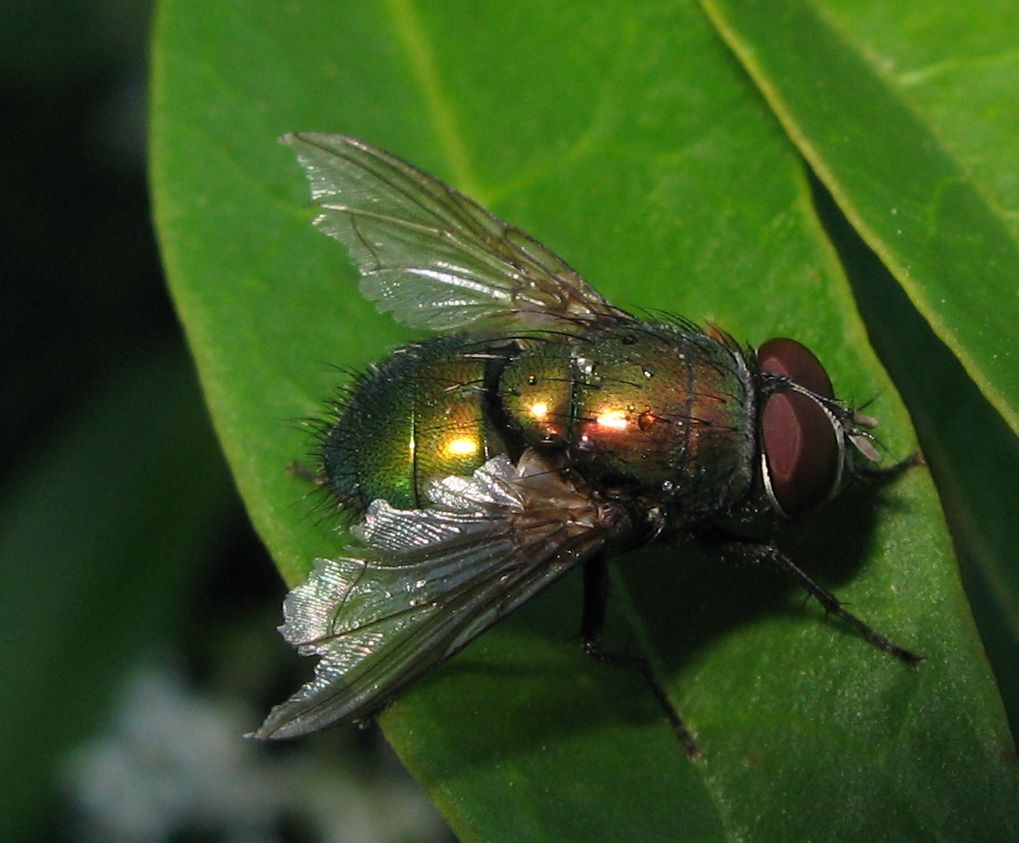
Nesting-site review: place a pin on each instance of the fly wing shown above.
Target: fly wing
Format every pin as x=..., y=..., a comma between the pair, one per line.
x=428, y=581
x=430, y=255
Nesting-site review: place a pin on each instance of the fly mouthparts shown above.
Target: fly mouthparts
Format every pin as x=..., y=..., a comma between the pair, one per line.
x=863, y=420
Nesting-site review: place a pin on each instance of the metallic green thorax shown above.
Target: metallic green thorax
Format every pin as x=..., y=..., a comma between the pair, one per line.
x=653, y=409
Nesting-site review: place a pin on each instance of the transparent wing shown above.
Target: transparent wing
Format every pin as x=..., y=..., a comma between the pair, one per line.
x=430, y=580
x=430, y=255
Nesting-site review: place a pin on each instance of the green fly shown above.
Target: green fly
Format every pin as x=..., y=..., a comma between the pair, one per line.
x=542, y=430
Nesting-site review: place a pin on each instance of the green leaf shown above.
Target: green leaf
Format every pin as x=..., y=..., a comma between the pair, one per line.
x=100, y=541
x=627, y=140
x=908, y=115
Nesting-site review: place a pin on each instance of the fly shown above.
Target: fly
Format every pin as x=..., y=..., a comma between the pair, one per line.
x=542, y=429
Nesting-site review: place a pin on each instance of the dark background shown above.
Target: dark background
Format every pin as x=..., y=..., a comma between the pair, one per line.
x=137, y=643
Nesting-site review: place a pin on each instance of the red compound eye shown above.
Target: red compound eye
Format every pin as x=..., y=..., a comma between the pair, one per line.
x=781, y=356
x=801, y=447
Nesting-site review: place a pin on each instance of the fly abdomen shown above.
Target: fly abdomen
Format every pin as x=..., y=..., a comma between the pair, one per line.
x=417, y=417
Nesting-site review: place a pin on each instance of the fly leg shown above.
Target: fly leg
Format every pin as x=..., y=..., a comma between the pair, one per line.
x=890, y=472
x=299, y=469
x=764, y=553
x=596, y=595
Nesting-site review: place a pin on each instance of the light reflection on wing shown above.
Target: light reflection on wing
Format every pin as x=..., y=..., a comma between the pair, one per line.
x=428, y=581
x=429, y=254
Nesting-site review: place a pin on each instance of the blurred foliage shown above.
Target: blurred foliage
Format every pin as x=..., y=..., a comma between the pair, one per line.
x=102, y=542
x=114, y=495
